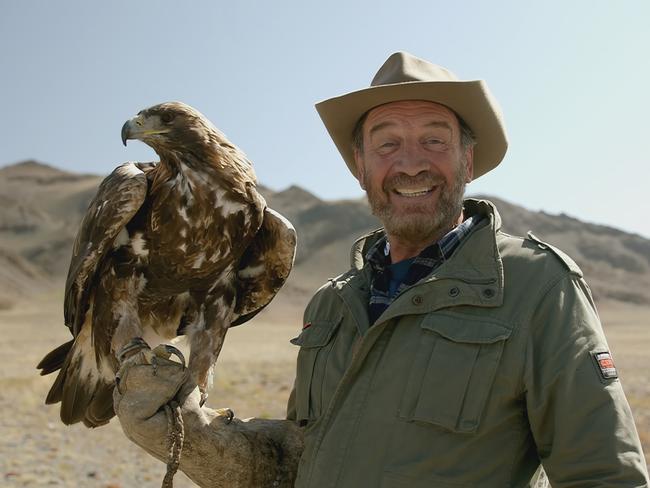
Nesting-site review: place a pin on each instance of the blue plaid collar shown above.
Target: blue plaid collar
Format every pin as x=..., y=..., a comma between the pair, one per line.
x=378, y=256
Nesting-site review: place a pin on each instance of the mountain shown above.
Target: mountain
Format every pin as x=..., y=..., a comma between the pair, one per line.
x=41, y=207
x=616, y=264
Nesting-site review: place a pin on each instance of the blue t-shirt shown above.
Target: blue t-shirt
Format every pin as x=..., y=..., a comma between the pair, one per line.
x=398, y=272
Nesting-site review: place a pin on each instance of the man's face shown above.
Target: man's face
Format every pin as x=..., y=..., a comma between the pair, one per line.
x=414, y=169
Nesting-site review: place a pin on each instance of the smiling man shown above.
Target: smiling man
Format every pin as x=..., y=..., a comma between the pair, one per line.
x=450, y=354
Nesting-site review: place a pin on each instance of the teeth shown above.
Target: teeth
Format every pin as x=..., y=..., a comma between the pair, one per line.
x=413, y=192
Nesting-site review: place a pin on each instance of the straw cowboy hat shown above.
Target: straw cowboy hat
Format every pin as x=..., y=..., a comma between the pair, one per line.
x=406, y=77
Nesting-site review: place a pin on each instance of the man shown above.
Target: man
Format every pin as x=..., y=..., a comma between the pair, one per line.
x=450, y=354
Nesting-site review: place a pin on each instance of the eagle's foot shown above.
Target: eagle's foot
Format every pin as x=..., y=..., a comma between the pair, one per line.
x=204, y=397
x=226, y=413
x=166, y=351
x=136, y=351
x=132, y=348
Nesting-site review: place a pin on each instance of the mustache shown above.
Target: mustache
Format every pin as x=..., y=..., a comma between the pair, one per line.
x=424, y=178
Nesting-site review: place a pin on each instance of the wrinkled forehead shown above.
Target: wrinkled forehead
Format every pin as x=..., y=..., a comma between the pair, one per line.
x=410, y=110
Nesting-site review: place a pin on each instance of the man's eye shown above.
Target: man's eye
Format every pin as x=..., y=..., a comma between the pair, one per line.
x=388, y=144
x=434, y=141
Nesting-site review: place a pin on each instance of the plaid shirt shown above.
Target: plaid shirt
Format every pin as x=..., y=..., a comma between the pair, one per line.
x=423, y=265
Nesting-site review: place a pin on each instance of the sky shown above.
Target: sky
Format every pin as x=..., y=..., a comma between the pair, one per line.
x=572, y=78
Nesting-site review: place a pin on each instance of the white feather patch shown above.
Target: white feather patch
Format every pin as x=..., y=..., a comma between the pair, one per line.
x=183, y=213
x=138, y=244
x=224, y=204
x=129, y=169
x=198, y=261
x=84, y=355
x=184, y=183
x=251, y=271
x=122, y=238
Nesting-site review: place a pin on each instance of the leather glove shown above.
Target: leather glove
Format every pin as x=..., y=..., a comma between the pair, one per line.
x=217, y=451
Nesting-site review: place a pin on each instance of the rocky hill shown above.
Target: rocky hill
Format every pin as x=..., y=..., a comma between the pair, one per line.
x=41, y=207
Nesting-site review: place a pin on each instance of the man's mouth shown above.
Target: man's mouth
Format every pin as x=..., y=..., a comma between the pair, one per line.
x=414, y=192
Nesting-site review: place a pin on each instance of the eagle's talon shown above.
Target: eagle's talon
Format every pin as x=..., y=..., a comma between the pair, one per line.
x=154, y=365
x=227, y=413
x=204, y=398
x=167, y=350
x=131, y=348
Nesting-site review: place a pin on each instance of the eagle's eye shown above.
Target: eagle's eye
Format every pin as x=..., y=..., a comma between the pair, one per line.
x=167, y=117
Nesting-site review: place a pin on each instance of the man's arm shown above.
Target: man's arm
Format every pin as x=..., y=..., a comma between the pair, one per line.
x=240, y=454
x=578, y=413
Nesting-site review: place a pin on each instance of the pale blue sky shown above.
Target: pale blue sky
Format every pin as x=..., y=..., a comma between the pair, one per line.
x=573, y=78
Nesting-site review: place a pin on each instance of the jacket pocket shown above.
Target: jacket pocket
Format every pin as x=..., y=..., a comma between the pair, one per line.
x=315, y=344
x=398, y=480
x=453, y=371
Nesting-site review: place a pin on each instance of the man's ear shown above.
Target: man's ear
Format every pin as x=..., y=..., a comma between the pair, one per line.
x=361, y=170
x=469, y=163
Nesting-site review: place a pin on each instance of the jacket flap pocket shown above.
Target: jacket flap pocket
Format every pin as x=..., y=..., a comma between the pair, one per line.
x=471, y=330
x=317, y=333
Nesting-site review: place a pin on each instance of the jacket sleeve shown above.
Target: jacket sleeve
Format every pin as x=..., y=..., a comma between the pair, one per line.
x=578, y=414
x=291, y=404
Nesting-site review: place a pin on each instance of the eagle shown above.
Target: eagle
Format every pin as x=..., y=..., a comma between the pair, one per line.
x=182, y=246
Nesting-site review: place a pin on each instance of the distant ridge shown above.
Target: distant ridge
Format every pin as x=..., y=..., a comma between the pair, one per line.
x=31, y=170
x=41, y=207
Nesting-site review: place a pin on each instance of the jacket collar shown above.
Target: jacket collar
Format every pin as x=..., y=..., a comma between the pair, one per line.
x=471, y=206
x=472, y=276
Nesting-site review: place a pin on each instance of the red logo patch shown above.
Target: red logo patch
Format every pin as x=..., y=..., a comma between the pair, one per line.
x=306, y=326
x=606, y=365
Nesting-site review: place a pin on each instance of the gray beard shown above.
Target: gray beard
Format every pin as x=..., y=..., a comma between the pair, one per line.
x=422, y=224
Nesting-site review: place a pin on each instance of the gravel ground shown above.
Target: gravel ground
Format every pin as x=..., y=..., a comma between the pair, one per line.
x=254, y=378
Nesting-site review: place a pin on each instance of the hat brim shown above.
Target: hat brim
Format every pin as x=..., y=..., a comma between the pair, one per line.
x=471, y=100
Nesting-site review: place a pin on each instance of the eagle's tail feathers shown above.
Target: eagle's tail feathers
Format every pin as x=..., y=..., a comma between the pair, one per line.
x=54, y=359
x=77, y=393
x=56, y=391
x=100, y=410
x=85, y=394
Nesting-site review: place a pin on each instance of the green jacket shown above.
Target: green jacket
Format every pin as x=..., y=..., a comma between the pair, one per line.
x=468, y=379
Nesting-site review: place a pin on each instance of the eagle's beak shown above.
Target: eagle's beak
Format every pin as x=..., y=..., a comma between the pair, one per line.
x=126, y=131
x=133, y=128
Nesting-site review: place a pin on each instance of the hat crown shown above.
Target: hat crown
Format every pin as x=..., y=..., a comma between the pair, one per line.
x=403, y=67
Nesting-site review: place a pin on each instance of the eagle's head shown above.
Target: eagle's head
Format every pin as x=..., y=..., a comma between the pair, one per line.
x=170, y=126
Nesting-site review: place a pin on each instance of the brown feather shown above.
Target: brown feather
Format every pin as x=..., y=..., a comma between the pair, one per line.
x=54, y=360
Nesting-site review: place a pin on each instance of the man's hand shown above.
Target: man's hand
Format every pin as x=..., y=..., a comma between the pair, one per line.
x=217, y=452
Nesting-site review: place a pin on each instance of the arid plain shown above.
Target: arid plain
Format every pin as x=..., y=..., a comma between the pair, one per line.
x=253, y=376
x=40, y=209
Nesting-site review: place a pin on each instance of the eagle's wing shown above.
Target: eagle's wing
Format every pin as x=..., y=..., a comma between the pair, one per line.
x=265, y=265
x=118, y=198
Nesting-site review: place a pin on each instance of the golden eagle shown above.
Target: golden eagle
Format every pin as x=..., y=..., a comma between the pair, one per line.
x=186, y=246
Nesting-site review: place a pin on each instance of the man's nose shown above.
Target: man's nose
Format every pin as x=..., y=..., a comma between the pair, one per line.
x=412, y=159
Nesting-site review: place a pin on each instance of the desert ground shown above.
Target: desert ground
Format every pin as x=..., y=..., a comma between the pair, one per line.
x=254, y=376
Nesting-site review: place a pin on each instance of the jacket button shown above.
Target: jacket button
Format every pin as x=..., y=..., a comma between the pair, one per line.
x=454, y=292
x=417, y=300
x=488, y=293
